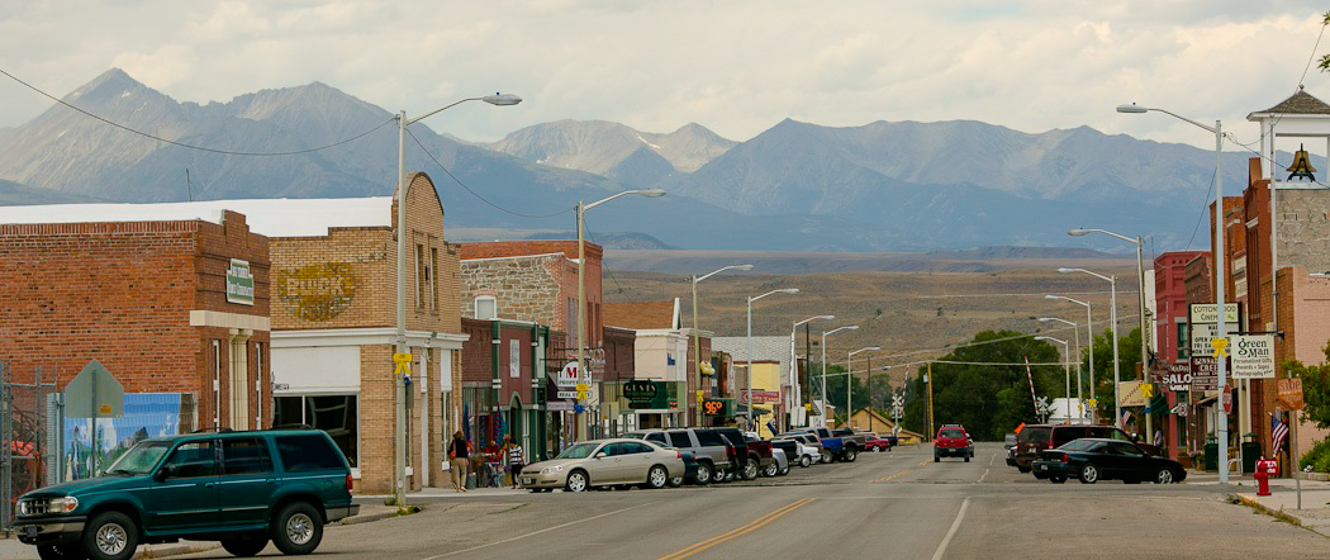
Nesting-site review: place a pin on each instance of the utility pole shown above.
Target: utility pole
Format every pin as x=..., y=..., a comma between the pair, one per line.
x=930, y=401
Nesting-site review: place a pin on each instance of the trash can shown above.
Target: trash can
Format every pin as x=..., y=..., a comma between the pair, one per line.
x=1211, y=455
x=1251, y=452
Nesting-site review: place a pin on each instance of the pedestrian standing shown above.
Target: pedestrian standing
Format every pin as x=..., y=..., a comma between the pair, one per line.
x=515, y=456
x=459, y=458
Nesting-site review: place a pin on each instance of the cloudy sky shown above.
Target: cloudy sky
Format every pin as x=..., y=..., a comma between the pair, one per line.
x=736, y=66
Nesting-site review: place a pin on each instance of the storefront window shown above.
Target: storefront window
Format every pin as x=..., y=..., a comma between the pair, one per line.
x=338, y=415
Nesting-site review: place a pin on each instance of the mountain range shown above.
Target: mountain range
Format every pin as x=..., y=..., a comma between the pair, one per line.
x=884, y=186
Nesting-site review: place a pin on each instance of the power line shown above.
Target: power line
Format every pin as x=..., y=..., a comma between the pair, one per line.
x=603, y=266
x=192, y=146
x=473, y=192
x=1205, y=204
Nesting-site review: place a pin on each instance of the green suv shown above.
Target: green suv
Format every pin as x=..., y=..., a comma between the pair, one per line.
x=240, y=488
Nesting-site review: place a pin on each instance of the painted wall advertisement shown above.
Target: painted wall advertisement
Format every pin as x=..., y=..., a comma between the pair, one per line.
x=146, y=415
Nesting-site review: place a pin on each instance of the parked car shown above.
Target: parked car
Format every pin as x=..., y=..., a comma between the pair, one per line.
x=1038, y=437
x=875, y=443
x=711, y=451
x=754, y=455
x=1092, y=460
x=282, y=485
x=780, y=466
x=834, y=446
x=1008, y=441
x=605, y=462
x=952, y=441
x=854, y=442
x=809, y=450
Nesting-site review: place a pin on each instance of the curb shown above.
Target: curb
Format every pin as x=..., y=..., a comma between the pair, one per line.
x=1250, y=500
x=369, y=517
x=175, y=550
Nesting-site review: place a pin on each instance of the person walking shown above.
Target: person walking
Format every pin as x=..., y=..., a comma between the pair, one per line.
x=515, y=457
x=459, y=458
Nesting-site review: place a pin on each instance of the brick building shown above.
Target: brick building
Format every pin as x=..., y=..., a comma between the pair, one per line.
x=663, y=354
x=173, y=299
x=504, y=385
x=1172, y=337
x=334, y=318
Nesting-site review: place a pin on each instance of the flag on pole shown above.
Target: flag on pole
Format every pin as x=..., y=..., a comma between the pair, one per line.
x=1278, y=431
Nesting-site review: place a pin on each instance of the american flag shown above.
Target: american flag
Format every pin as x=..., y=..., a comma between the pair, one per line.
x=1278, y=431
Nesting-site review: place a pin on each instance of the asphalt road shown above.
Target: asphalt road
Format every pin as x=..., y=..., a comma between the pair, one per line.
x=886, y=505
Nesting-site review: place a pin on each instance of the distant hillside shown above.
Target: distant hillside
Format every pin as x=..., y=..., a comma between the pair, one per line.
x=988, y=259
x=16, y=194
x=628, y=241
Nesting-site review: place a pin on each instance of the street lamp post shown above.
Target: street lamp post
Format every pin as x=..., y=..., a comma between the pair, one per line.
x=1089, y=327
x=400, y=349
x=582, y=207
x=1075, y=329
x=1113, y=323
x=697, y=338
x=1218, y=130
x=849, y=379
x=794, y=355
x=748, y=348
x=1066, y=365
x=824, y=366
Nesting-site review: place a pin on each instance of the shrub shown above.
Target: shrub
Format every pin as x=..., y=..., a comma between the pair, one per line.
x=1318, y=457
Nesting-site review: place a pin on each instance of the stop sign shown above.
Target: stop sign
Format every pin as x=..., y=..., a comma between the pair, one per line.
x=1227, y=399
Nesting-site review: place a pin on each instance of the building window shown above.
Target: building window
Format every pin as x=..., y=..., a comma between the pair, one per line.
x=430, y=279
x=422, y=275
x=487, y=307
x=338, y=415
x=1184, y=342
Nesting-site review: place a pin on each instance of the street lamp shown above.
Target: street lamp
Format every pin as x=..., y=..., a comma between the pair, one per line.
x=1113, y=321
x=849, y=380
x=824, y=366
x=697, y=338
x=748, y=348
x=1218, y=130
x=1089, y=328
x=399, y=470
x=794, y=356
x=1075, y=328
x=1066, y=365
x=582, y=207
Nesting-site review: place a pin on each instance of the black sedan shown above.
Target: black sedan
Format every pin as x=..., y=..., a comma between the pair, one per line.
x=1092, y=460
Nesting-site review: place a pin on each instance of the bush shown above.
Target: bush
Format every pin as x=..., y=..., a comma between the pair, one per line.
x=1318, y=457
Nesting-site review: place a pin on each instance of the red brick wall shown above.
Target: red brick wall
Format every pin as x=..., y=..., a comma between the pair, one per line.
x=477, y=352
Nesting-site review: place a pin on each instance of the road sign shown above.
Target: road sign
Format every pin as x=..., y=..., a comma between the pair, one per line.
x=1227, y=399
x=1254, y=356
x=94, y=393
x=1290, y=393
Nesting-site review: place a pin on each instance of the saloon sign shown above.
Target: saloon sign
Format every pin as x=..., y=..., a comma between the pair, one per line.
x=1177, y=377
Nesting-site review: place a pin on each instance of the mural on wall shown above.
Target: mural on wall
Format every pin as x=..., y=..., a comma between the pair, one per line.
x=146, y=415
x=317, y=292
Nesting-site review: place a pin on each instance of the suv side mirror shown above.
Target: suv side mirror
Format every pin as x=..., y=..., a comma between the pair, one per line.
x=167, y=471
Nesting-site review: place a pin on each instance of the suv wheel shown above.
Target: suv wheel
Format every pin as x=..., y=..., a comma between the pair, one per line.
x=1089, y=474
x=827, y=458
x=60, y=552
x=676, y=482
x=297, y=529
x=751, y=470
x=704, y=472
x=805, y=461
x=771, y=470
x=657, y=478
x=850, y=455
x=246, y=546
x=111, y=536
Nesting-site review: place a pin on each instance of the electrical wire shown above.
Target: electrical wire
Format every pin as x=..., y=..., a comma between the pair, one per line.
x=603, y=266
x=1317, y=46
x=1205, y=205
x=193, y=146
x=473, y=192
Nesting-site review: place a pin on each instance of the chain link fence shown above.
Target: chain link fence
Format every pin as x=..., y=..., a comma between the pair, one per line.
x=29, y=436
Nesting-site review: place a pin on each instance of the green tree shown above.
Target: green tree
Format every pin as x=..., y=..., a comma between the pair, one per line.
x=1315, y=388
x=1129, y=353
x=990, y=400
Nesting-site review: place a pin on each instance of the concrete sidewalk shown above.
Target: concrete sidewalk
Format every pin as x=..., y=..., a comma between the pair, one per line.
x=1315, y=511
x=433, y=494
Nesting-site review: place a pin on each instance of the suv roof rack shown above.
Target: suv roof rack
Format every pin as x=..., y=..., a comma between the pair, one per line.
x=218, y=429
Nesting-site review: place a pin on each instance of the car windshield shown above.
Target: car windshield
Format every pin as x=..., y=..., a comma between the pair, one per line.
x=579, y=451
x=635, y=435
x=1079, y=445
x=140, y=459
x=953, y=433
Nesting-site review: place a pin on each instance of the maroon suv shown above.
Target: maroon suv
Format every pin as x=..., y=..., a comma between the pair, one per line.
x=952, y=441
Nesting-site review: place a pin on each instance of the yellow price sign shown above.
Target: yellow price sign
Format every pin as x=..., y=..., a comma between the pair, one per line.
x=403, y=362
x=1221, y=347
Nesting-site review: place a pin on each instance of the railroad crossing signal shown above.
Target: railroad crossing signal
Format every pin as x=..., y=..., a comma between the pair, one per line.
x=1041, y=405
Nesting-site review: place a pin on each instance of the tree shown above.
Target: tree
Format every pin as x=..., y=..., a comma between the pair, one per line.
x=1315, y=388
x=990, y=400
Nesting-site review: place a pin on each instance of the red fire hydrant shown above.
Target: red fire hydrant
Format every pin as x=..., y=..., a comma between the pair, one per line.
x=1265, y=468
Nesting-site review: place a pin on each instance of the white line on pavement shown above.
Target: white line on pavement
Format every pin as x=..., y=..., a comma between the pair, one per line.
x=542, y=531
x=991, y=459
x=981, y=479
x=942, y=547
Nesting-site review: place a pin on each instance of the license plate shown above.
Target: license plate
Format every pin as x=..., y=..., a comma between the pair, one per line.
x=527, y=481
x=30, y=531
x=1043, y=467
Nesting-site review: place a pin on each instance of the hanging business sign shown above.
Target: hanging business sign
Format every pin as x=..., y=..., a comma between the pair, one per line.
x=1177, y=377
x=640, y=394
x=567, y=377
x=1208, y=313
x=1204, y=373
x=1253, y=356
x=1201, y=335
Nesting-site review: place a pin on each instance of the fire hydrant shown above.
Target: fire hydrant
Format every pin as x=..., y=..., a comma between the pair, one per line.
x=1265, y=468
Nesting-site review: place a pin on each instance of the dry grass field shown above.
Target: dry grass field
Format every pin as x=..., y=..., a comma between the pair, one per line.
x=914, y=313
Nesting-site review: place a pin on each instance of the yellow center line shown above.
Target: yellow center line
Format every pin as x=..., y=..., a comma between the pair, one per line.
x=736, y=533
x=923, y=462
x=892, y=477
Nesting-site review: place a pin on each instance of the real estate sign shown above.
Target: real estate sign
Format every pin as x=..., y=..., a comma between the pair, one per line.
x=239, y=283
x=1253, y=356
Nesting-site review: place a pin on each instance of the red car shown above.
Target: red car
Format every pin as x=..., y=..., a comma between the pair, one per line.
x=952, y=441
x=876, y=443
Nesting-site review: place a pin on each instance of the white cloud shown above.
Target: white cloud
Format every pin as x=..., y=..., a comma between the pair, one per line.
x=736, y=66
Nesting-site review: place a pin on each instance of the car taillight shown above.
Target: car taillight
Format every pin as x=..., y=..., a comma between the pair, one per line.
x=348, y=482
x=1065, y=458
x=1050, y=445
x=678, y=455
